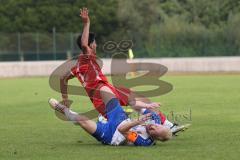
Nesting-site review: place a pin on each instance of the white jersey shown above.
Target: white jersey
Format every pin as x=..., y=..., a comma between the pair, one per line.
x=141, y=130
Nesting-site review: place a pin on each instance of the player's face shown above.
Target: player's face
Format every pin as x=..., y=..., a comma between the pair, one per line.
x=152, y=128
x=93, y=45
x=155, y=130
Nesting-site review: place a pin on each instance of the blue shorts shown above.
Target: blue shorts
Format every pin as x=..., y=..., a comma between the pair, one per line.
x=116, y=115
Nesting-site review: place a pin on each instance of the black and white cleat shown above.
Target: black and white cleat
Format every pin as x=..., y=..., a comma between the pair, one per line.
x=176, y=128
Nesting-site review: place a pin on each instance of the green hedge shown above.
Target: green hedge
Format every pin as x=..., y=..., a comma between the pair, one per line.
x=158, y=28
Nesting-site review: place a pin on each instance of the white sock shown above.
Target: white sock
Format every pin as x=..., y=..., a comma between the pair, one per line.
x=72, y=116
x=168, y=124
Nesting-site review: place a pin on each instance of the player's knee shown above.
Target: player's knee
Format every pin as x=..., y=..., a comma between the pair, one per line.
x=88, y=125
x=106, y=94
x=82, y=123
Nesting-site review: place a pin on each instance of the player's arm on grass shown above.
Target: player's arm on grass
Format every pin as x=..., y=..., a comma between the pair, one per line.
x=125, y=128
x=63, y=87
x=86, y=27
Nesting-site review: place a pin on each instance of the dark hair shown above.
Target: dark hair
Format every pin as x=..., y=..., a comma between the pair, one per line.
x=91, y=39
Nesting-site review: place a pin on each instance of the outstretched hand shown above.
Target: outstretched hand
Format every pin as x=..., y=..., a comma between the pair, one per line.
x=84, y=15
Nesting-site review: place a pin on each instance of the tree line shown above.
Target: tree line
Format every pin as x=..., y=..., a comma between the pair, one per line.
x=158, y=28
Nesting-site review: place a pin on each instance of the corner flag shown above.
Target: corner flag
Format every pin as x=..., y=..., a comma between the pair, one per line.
x=130, y=54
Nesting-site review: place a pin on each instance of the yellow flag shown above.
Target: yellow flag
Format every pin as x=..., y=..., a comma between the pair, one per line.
x=130, y=54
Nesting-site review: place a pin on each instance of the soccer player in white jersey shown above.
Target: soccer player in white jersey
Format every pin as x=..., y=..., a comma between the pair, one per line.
x=119, y=129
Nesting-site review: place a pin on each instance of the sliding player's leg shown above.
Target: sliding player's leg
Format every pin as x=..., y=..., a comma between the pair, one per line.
x=88, y=125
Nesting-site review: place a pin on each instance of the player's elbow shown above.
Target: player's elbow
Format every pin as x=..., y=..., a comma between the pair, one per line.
x=63, y=78
x=66, y=77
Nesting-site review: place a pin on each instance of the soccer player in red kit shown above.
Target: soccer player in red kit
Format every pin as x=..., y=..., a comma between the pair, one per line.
x=92, y=79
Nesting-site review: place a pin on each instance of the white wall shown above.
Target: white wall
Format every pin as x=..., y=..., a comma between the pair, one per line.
x=209, y=64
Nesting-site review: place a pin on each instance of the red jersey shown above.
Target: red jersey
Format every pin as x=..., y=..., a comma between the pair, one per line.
x=88, y=72
x=90, y=75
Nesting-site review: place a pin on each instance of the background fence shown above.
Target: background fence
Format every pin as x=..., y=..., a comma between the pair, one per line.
x=61, y=46
x=37, y=46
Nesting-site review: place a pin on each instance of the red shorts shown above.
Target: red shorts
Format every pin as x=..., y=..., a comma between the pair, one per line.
x=121, y=94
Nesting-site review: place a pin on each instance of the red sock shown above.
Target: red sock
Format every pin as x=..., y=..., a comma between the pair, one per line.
x=162, y=116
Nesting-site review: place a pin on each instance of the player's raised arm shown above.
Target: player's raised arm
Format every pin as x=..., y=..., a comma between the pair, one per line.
x=86, y=27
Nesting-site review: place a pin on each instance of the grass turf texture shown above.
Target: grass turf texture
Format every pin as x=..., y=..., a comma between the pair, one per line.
x=30, y=130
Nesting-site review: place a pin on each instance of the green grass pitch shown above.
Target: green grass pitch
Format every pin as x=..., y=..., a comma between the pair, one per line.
x=30, y=130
